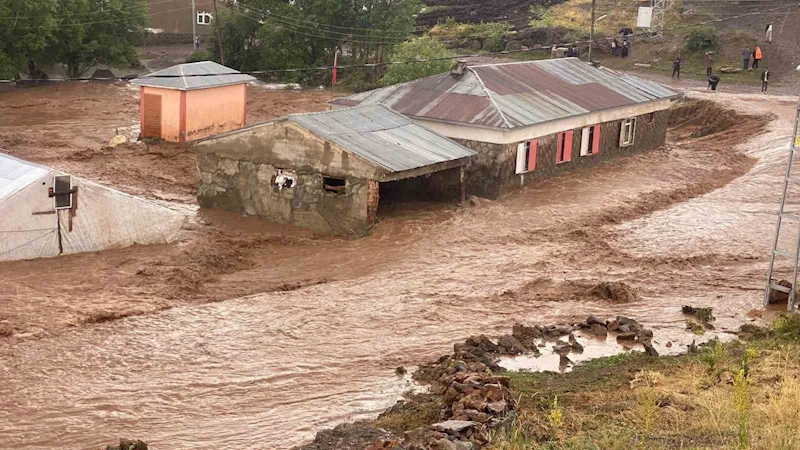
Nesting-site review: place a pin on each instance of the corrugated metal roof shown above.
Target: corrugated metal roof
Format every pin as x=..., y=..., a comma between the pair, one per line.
x=15, y=174
x=201, y=75
x=383, y=137
x=518, y=94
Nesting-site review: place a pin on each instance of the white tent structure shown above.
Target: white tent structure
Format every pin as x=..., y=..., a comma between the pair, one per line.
x=45, y=213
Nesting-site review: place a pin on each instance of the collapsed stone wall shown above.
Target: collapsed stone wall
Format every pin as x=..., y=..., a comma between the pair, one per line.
x=299, y=197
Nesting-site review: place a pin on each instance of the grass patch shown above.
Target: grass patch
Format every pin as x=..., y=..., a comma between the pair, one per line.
x=740, y=394
x=417, y=410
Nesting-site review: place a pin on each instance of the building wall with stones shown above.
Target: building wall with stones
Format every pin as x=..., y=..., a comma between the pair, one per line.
x=492, y=173
x=249, y=171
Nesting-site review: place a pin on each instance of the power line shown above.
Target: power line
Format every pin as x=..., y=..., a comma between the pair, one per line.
x=290, y=19
x=77, y=24
x=392, y=63
x=85, y=13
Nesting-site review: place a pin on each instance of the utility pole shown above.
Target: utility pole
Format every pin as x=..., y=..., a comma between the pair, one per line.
x=219, y=35
x=194, y=26
x=591, y=32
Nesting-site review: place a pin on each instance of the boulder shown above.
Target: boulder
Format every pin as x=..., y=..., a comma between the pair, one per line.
x=499, y=407
x=598, y=330
x=465, y=445
x=626, y=336
x=453, y=427
x=591, y=320
x=445, y=444
x=509, y=345
x=127, y=444
x=118, y=140
x=649, y=349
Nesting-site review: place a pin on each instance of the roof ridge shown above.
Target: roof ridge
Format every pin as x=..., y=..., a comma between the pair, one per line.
x=489, y=94
x=535, y=61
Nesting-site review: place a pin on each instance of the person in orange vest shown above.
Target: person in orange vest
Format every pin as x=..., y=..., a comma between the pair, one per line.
x=757, y=56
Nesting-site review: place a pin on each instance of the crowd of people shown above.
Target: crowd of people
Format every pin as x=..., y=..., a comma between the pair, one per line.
x=754, y=54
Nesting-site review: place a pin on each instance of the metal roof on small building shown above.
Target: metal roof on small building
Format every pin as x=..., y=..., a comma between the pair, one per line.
x=383, y=137
x=190, y=76
x=16, y=174
x=512, y=95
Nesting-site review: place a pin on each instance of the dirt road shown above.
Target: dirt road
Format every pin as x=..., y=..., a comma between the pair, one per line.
x=329, y=319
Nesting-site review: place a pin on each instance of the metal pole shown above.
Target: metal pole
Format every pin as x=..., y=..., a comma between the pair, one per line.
x=591, y=32
x=194, y=26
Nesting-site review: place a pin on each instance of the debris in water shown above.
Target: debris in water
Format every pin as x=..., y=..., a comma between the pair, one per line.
x=778, y=297
x=615, y=291
x=125, y=444
x=695, y=327
x=704, y=315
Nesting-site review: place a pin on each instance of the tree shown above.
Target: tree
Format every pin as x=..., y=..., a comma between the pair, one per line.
x=26, y=29
x=418, y=48
x=92, y=32
x=288, y=34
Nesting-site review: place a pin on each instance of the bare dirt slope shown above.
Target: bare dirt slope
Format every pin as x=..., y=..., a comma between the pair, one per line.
x=68, y=126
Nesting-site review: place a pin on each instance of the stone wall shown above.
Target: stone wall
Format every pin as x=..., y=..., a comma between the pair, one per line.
x=251, y=189
x=239, y=172
x=491, y=174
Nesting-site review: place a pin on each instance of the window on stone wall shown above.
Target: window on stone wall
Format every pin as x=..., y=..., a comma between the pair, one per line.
x=334, y=185
x=526, y=156
x=651, y=117
x=590, y=140
x=627, y=132
x=564, y=147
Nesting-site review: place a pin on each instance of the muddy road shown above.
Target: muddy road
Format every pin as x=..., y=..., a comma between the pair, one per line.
x=272, y=334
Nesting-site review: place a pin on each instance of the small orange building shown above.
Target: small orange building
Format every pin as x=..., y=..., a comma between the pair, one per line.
x=192, y=101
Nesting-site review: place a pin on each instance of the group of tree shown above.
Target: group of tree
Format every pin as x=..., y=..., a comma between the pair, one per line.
x=263, y=35
x=78, y=34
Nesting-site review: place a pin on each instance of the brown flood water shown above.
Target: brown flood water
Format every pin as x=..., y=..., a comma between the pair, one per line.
x=691, y=225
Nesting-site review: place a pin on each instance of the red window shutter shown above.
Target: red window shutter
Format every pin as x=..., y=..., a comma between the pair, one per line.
x=558, y=147
x=568, y=146
x=596, y=142
x=532, y=156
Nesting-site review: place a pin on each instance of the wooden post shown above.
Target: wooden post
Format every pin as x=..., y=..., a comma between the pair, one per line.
x=219, y=35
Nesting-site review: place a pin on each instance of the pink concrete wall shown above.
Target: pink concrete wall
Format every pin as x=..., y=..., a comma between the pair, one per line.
x=216, y=110
x=170, y=112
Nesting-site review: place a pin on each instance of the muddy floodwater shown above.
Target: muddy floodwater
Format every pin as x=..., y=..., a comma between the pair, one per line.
x=689, y=224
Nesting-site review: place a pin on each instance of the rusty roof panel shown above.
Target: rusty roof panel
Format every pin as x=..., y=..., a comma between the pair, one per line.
x=513, y=95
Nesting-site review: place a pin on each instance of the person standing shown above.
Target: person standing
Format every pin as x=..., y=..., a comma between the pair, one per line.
x=757, y=55
x=764, y=79
x=614, y=45
x=746, y=54
x=625, y=49
x=676, y=67
x=768, y=32
x=709, y=59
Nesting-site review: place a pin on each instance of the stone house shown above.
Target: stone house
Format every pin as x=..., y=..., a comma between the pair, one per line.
x=329, y=171
x=534, y=119
x=192, y=101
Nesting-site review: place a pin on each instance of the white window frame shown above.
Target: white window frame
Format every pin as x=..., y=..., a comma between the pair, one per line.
x=204, y=18
x=523, y=153
x=585, y=150
x=627, y=132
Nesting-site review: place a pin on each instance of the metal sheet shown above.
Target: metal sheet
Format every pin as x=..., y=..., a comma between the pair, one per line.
x=15, y=174
x=201, y=75
x=383, y=137
x=524, y=93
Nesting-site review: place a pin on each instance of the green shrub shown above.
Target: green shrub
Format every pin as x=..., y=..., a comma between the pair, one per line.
x=544, y=18
x=702, y=38
x=202, y=55
x=424, y=47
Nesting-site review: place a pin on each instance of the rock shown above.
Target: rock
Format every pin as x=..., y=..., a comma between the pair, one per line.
x=473, y=201
x=465, y=445
x=576, y=346
x=612, y=325
x=598, y=330
x=476, y=366
x=528, y=336
x=118, y=140
x=509, y=345
x=625, y=328
x=626, y=321
x=704, y=315
x=562, y=348
x=630, y=336
x=126, y=444
x=475, y=416
x=498, y=407
x=669, y=344
x=649, y=349
x=615, y=291
x=591, y=320
x=444, y=444
x=482, y=342
x=400, y=371
x=513, y=45
x=453, y=426
x=460, y=366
